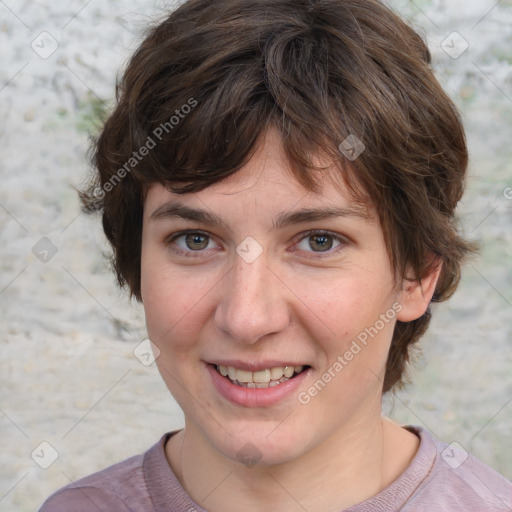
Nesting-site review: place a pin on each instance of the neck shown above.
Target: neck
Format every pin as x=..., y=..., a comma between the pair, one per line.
x=348, y=467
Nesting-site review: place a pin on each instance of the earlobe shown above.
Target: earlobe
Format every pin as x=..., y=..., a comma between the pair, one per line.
x=416, y=295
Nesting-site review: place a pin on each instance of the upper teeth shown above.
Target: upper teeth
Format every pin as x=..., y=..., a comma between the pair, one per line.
x=262, y=376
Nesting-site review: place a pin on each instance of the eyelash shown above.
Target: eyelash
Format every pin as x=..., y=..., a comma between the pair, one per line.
x=315, y=232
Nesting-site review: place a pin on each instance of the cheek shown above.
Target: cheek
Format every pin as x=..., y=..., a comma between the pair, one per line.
x=360, y=320
x=351, y=304
x=175, y=305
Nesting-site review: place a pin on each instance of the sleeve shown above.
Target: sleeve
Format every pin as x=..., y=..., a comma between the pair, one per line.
x=83, y=499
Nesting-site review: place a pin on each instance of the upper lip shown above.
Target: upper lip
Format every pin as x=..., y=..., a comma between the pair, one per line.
x=254, y=366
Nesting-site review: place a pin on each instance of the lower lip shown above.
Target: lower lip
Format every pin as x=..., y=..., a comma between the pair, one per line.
x=255, y=397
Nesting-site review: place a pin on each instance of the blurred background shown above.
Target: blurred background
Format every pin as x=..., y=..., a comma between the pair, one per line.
x=74, y=397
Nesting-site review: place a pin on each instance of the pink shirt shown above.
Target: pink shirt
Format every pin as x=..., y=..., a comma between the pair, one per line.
x=440, y=478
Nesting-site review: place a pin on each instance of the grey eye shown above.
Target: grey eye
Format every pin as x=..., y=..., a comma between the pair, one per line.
x=196, y=241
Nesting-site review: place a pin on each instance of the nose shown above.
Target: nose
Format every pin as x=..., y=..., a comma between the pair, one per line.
x=253, y=303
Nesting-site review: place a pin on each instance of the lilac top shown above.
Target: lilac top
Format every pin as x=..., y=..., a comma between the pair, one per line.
x=440, y=478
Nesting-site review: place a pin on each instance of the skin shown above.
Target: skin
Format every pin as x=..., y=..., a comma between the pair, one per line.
x=296, y=300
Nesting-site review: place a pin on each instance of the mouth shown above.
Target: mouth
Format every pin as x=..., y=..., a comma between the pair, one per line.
x=265, y=378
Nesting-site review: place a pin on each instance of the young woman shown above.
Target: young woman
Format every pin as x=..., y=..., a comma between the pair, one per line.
x=278, y=181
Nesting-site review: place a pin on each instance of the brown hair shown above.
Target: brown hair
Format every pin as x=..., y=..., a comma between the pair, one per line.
x=208, y=81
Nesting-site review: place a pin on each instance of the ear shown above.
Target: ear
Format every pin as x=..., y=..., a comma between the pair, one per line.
x=416, y=295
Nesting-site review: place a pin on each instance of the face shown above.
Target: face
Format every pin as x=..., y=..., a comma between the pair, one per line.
x=257, y=277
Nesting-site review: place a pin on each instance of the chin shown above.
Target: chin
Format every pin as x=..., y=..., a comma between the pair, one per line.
x=260, y=445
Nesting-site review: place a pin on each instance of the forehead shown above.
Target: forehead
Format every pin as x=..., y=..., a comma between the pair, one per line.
x=266, y=185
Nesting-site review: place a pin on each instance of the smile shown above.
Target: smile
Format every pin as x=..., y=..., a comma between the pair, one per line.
x=266, y=386
x=266, y=378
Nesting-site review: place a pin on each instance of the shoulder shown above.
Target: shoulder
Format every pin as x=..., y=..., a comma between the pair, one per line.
x=82, y=498
x=459, y=481
x=119, y=487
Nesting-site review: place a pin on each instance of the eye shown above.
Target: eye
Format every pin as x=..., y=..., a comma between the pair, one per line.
x=320, y=242
x=188, y=242
x=316, y=243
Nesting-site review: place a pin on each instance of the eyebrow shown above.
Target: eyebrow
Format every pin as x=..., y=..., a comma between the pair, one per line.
x=174, y=209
